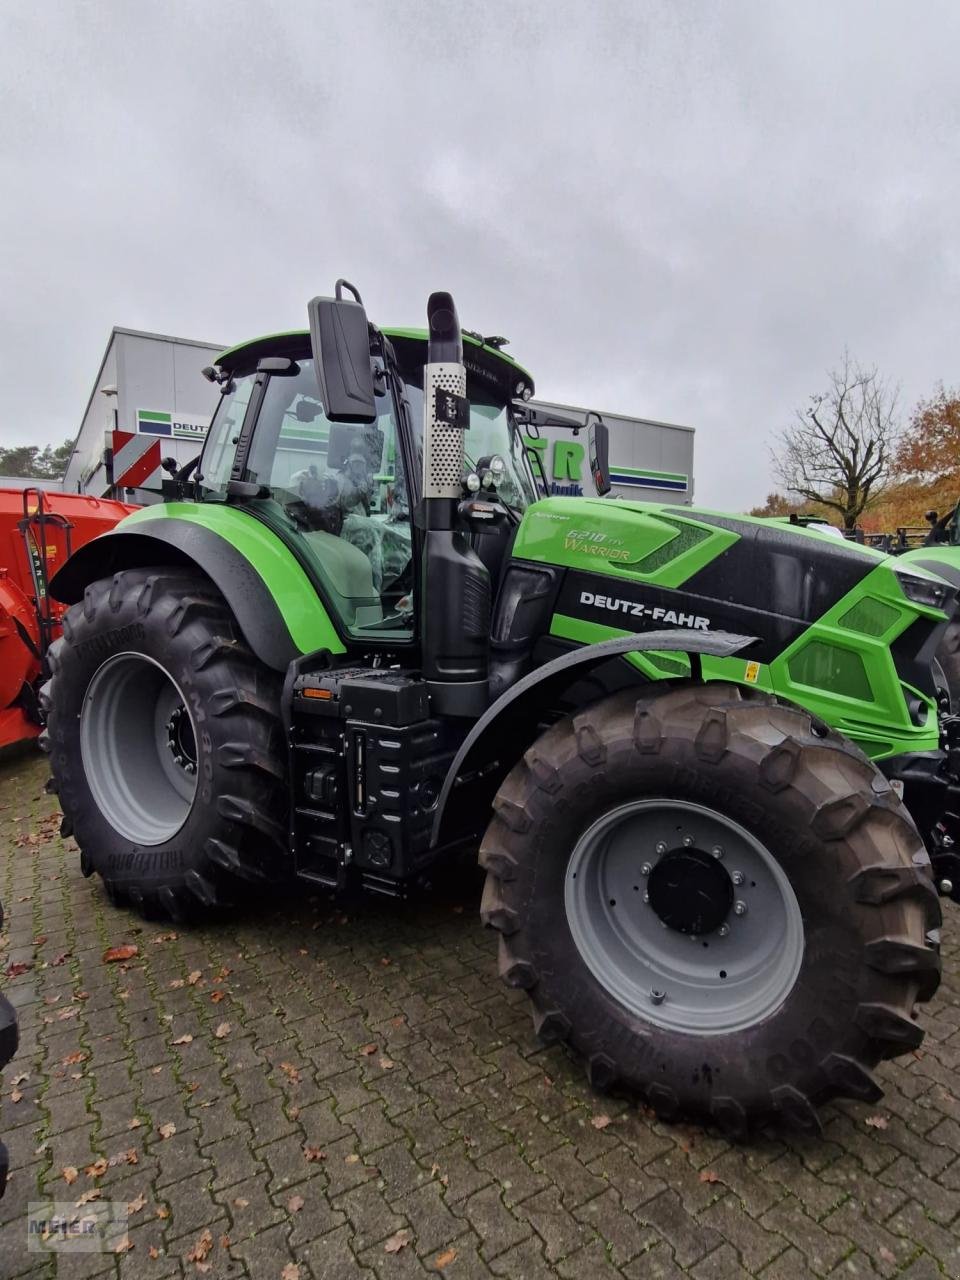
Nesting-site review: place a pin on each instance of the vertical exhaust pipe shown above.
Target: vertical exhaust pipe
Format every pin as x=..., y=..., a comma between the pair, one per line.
x=454, y=582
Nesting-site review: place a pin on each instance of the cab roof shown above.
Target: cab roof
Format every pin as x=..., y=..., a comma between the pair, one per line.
x=490, y=363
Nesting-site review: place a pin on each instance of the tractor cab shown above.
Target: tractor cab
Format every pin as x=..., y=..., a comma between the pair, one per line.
x=342, y=495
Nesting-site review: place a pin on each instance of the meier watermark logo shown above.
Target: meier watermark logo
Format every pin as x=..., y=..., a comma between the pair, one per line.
x=56, y=1226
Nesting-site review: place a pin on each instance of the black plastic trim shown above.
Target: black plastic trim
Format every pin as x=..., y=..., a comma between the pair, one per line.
x=510, y=719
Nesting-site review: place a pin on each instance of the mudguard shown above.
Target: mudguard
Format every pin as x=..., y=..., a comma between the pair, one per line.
x=276, y=606
x=481, y=763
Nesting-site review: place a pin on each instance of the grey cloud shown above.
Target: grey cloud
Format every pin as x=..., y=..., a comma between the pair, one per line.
x=678, y=210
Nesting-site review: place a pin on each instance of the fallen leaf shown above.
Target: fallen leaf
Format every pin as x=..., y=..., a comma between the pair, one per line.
x=123, y=1246
x=387, y=1064
x=167, y=1130
x=444, y=1259
x=93, y=1194
x=163, y=1211
x=313, y=1154
x=600, y=1122
x=115, y=955
x=385, y=961
x=40, y=939
x=368, y=1049
x=72, y=1059
x=225, y=1242
x=707, y=1175
x=397, y=1022
x=399, y=1240
x=20, y=1077
x=223, y=974
x=153, y=1251
x=15, y=1095
x=876, y=1122
x=97, y=1169
x=135, y=1123
x=201, y=1248
x=62, y=958
x=290, y=1272
x=176, y=984
x=240, y=1202
x=353, y=1158
x=183, y=1040
x=70, y=1011
x=21, y=966
x=194, y=977
x=70, y=1174
x=887, y=1254
x=124, y=1157
x=222, y=1030
x=217, y=996
x=290, y=1071
x=166, y=937
x=137, y=1203
x=295, y=1204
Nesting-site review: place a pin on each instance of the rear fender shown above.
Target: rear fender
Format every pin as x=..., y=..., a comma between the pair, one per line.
x=509, y=725
x=276, y=606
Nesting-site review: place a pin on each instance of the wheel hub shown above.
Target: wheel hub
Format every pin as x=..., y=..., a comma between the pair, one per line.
x=180, y=740
x=690, y=891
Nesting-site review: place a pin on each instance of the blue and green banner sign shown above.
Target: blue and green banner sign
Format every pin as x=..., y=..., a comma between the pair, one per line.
x=178, y=426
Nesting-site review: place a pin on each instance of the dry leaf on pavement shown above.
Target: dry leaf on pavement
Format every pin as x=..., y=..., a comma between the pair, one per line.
x=399, y=1240
x=313, y=1154
x=70, y=1174
x=183, y=1040
x=295, y=1204
x=290, y=1272
x=167, y=1130
x=115, y=955
x=876, y=1122
x=202, y=1246
x=444, y=1259
x=600, y=1122
x=222, y=1030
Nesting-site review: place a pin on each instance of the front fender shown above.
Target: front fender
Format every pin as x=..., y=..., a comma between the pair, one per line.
x=505, y=729
x=275, y=604
x=941, y=558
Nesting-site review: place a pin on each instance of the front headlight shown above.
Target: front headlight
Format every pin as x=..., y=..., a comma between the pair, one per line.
x=929, y=591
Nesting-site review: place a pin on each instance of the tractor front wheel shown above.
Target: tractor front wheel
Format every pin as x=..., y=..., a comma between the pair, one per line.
x=718, y=902
x=166, y=745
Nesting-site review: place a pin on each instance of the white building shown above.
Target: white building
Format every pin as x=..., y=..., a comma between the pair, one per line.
x=149, y=401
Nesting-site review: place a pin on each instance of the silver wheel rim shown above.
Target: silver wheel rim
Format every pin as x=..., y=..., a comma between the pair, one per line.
x=725, y=979
x=138, y=746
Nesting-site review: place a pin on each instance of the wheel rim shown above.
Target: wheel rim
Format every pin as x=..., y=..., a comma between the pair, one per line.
x=138, y=746
x=683, y=916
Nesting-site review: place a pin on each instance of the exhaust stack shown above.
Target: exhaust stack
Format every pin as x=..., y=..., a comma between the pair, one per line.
x=454, y=582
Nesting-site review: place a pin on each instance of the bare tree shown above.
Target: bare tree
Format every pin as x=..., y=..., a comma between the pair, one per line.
x=839, y=451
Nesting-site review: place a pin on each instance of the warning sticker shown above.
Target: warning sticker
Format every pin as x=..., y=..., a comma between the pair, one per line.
x=752, y=673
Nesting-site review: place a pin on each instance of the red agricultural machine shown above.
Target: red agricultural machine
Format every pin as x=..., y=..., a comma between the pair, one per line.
x=39, y=530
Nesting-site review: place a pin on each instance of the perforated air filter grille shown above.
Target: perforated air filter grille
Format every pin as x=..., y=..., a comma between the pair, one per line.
x=442, y=445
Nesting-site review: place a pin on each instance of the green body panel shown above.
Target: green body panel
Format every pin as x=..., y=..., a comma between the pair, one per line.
x=840, y=666
x=944, y=553
x=295, y=596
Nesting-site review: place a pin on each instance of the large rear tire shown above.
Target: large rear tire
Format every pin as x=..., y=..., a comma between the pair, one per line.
x=166, y=745
x=719, y=903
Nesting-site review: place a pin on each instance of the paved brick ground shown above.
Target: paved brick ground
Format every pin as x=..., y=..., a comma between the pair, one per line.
x=456, y=1129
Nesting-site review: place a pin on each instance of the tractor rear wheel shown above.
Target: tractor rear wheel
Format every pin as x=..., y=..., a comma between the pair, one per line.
x=948, y=658
x=166, y=745
x=718, y=902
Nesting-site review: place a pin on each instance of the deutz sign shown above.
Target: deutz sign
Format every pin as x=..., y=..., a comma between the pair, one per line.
x=179, y=426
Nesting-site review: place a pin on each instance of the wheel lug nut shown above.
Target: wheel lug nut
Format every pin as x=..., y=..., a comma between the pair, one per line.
x=661, y=847
x=946, y=887
x=657, y=997
x=723, y=930
x=646, y=897
x=646, y=869
x=739, y=908
x=717, y=851
x=738, y=877
x=191, y=767
x=687, y=841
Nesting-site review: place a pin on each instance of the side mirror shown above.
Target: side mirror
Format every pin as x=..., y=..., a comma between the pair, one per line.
x=170, y=465
x=340, y=340
x=598, y=453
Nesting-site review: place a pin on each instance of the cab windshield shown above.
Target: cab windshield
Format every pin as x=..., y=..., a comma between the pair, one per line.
x=492, y=431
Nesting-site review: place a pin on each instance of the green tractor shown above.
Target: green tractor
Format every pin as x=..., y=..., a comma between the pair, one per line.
x=705, y=760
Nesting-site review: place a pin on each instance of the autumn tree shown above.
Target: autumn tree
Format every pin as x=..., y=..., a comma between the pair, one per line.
x=929, y=450
x=838, y=453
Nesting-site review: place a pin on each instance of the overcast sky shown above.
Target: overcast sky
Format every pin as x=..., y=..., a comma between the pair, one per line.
x=682, y=211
